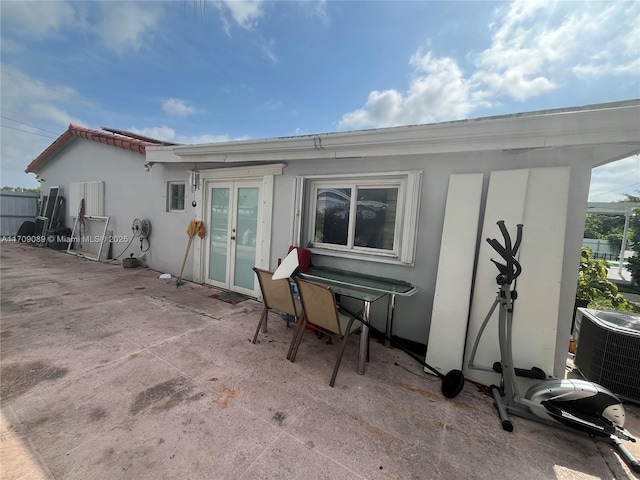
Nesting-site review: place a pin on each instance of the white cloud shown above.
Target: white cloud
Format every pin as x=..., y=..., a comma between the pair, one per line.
x=169, y=134
x=268, y=50
x=438, y=90
x=534, y=47
x=316, y=9
x=37, y=20
x=613, y=48
x=177, y=107
x=272, y=105
x=205, y=138
x=53, y=114
x=42, y=102
x=128, y=26
x=10, y=46
x=31, y=102
x=244, y=14
x=612, y=181
x=122, y=26
x=536, y=42
x=159, y=133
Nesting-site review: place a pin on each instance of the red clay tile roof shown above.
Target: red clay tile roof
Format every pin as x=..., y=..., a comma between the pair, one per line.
x=120, y=141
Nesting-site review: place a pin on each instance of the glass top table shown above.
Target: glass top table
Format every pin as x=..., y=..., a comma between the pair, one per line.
x=388, y=286
x=366, y=288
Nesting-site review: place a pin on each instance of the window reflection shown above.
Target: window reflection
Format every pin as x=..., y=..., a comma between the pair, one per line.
x=374, y=216
x=332, y=215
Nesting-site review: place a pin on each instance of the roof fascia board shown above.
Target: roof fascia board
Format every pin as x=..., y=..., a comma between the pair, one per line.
x=619, y=124
x=613, y=208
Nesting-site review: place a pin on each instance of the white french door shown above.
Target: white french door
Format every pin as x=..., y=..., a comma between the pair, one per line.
x=234, y=213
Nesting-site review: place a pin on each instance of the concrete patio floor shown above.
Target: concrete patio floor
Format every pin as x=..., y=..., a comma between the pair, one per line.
x=112, y=373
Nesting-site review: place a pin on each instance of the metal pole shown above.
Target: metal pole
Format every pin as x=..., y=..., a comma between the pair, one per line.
x=389, y=326
x=623, y=248
x=364, y=339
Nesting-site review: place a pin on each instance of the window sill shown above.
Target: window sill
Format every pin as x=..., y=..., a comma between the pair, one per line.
x=388, y=259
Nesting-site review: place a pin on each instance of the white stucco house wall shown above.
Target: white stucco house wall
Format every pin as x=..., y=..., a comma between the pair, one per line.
x=436, y=191
x=81, y=155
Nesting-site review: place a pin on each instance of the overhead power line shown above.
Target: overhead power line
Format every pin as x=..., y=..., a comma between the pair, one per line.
x=28, y=124
x=27, y=131
x=614, y=191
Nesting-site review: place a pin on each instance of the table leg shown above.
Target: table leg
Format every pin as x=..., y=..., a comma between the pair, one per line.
x=392, y=305
x=364, y=340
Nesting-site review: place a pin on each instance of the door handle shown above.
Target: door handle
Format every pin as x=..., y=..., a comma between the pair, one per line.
x=233, y=238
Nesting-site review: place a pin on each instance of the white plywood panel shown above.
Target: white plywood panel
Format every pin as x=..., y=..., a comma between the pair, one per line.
x=505, y=201
x=535, y=317
x=450, y=313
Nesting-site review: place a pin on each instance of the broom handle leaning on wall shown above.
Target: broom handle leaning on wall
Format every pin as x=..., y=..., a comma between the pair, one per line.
x=186, y=254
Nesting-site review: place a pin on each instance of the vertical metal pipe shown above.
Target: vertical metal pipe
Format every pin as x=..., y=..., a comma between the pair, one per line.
x=389, y=329
x=623, y=247
x=364, y=339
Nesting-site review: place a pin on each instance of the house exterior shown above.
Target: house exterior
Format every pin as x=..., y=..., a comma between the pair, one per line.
x=115, y=163
x=410, y=202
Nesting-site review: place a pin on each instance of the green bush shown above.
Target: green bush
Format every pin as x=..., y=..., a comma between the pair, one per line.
x=592, y=281
x=634, y=268
x=615, y=242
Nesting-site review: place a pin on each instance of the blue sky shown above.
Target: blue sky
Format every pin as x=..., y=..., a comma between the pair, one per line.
x=204, y=71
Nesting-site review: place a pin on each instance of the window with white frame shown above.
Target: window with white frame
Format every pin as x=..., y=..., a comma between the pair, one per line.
x=370, y=216
x=175, y=196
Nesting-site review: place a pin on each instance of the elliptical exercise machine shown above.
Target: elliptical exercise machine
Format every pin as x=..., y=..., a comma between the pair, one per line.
x=567, y=404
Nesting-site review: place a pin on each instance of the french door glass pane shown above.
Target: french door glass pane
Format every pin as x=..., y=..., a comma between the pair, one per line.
x=376, y=217
x=219, y=232
x=332, y=215
x=247, y=214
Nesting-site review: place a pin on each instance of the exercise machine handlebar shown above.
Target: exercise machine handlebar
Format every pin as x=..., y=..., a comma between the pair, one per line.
x=512, y=269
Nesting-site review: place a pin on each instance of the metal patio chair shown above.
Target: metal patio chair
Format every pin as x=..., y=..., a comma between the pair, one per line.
x=276, y=296
x=320, y=309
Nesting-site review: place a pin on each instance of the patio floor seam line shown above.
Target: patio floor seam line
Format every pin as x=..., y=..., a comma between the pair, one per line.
x=284, y=432
x=185, y=307
x=142, y=349
x=264, y=450
x=322, y=454
x=86, y=442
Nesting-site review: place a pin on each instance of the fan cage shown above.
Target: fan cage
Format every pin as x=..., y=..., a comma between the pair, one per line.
x=608, y=354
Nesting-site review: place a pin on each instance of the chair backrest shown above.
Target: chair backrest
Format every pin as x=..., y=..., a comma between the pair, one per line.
x=276, y=294
x=319, y=305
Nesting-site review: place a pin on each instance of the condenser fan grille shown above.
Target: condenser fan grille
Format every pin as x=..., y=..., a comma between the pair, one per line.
x=608, y=352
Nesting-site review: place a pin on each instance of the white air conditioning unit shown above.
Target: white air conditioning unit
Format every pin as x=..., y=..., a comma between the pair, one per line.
x=608, y=350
